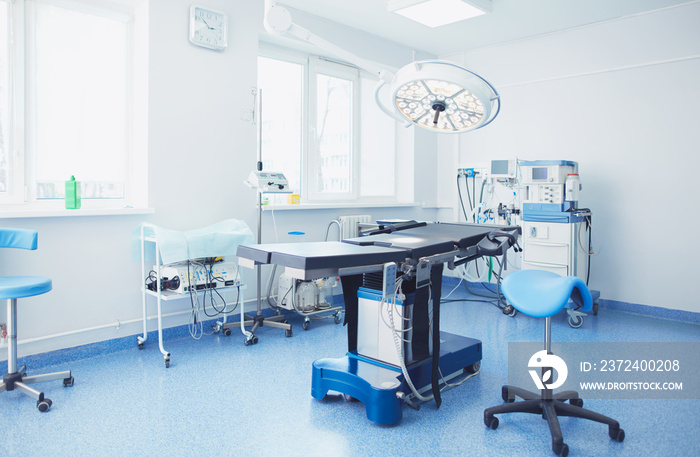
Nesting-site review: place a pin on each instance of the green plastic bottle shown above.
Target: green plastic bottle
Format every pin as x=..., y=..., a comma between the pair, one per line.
x=72, y=193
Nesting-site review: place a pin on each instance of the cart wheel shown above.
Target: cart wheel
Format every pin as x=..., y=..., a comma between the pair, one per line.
x=305, y=325
x=227, y=332
x=140, y=346
x=68, y=382
x=247, y=342
x=562, y=449
x=167, y=362
x=576, y=402
x=336, y=318
x=44, y=405
x=473, y=368
x=504, y=395
x=255, y=339
x=575, y=321
x=491, y=422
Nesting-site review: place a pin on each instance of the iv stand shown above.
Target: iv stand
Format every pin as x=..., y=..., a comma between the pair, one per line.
x=257, y=321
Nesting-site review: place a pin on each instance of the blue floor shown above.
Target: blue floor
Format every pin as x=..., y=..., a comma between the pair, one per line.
x=221, y=398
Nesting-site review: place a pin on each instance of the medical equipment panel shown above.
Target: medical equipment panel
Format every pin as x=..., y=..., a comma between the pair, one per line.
x=268, y=182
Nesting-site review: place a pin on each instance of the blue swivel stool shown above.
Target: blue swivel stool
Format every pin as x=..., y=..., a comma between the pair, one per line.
x=13, y=288
x=539, y=293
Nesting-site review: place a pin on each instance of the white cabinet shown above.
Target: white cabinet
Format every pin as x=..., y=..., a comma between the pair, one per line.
x=555, y=247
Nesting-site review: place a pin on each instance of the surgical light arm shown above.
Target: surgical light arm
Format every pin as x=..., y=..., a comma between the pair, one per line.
x=278, y=21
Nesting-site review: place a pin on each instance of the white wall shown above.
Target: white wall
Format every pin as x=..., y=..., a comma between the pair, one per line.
x=199, y=153
x=620, y=97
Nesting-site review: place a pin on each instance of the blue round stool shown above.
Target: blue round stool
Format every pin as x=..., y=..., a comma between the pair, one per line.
x=11, y=289
x=539, y=293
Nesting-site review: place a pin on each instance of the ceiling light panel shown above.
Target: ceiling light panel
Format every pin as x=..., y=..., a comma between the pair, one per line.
x=435, y=13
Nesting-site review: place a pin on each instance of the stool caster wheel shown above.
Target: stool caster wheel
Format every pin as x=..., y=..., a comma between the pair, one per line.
x=252, y=340
x=336, y=318
x=227, y=332
x=140, y=346
x=618, y=435
x=44, y=405
x=504, y=395
x=491, y=422
x=167, y=362
x=576, y=402
x=68, y=382
x=575, y=321
x=562, y=449
x=288, y=333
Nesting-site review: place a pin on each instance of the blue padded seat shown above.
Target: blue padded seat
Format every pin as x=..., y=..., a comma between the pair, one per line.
x=540, y=293
x=21, y=286
x=13, y=288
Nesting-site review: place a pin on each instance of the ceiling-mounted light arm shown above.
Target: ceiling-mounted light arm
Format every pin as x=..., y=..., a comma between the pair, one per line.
x=433, y=94
x=278, y=21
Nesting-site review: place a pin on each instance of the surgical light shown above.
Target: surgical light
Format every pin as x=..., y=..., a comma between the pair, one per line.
x=444, y=97
x=433, y=94
x=435, y=13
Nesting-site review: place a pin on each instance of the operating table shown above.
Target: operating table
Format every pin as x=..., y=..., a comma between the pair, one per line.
x=420, y=251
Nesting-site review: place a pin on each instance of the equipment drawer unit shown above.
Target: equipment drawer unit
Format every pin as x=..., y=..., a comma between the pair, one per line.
x=561, y=270
x=546, y=232
x=538, y=251
x=547, y=246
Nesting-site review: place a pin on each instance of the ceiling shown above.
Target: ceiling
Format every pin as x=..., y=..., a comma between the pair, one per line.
x=510, y=20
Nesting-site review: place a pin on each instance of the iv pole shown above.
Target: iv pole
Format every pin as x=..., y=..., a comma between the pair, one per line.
x=278, y=320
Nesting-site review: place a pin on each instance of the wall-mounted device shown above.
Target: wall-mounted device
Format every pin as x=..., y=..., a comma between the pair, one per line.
x=504, y=168
x=268, y=182
x=545, y=185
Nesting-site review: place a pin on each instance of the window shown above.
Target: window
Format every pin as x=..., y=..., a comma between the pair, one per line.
x=66, y=103
x=322, y=128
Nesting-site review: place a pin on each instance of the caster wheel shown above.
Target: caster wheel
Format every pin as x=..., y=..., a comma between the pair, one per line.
x=595, y=308
x=491, y=422
x=288, y=333
x=43, y=405
x=305, y=325
x=216, y=329
x=504, y=395
x=140, y=346
x=562, y=450
x=618, y=435
x=227, y=332
x=68, y=382
x=167, y=363
x=336, y=318
x=247, y=342
x=255, y=340
x=576, y=402
x=473, y=368
x=349, y=398
x=575, y=321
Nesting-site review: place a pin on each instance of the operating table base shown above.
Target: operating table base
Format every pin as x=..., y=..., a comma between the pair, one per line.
x=381, y=387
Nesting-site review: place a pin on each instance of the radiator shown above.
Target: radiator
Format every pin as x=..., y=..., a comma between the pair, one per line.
x=348, y=225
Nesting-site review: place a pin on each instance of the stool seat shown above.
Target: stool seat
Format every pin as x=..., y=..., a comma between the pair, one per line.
x=540, y=293
x=23, y=286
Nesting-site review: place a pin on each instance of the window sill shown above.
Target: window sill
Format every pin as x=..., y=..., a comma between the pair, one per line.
x=306, y=206
x=31, y=213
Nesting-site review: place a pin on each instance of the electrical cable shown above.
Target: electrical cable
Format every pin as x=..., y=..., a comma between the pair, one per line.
x=461, y=200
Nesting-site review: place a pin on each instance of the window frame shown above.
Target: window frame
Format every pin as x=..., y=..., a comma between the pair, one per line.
x=310, y=63
x=22, y=194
